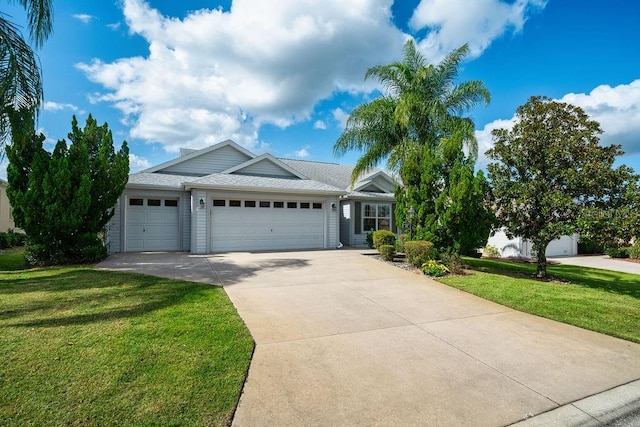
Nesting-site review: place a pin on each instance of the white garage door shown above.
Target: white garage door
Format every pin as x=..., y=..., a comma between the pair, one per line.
x=245, y=225
x=152, y=224
x=561, y=247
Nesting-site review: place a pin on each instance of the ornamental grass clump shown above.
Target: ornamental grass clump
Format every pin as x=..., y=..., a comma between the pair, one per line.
x=418, y=252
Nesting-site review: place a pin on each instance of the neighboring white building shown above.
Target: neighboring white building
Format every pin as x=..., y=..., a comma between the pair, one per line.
x=521, y=248
x=6, y=217
x=225, y=198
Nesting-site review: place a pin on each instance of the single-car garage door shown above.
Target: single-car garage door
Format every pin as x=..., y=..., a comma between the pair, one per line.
x=245, y=225
x=152, y=224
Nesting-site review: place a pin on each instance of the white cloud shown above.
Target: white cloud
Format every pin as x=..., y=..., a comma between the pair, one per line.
x=617, y=109
x=485, y=141
x=452, y=23
x=341, y=117
x=56, y=106
x=319, y=124
x=138, y=163
x=84, y=18
x=302, y=153
x=207, y=78
x=115, y=26
x=219, y=74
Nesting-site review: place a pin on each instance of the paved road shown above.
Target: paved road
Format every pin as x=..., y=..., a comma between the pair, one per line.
x=343, y=339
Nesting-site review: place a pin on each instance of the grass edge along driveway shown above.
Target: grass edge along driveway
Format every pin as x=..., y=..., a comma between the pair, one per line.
x=85, y=347
x=600, y=300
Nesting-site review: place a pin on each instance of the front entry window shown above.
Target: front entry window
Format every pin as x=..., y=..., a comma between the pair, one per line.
x=376, y=217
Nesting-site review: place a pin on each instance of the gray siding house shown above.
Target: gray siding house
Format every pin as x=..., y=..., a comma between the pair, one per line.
x=225, y=198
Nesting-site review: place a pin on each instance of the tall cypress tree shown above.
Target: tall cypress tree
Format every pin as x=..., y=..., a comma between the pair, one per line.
x=64, y=199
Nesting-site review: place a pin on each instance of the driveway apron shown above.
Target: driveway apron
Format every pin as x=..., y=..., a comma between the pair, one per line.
x=345, y=339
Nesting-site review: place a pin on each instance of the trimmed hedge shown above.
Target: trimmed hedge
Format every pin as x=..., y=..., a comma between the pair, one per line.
x=383, y=237
x=418, y=252
x=387, y=252
x=617, y=252
x=634, y=251
x=11, y=239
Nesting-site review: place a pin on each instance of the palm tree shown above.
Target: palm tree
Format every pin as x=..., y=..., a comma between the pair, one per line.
x=20, y=79
x=422, y=107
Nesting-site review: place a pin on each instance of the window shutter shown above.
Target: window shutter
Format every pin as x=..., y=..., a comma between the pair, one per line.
x=358, y=218
x=394, y=226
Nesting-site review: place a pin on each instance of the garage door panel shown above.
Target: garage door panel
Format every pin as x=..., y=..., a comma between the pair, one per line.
x=152, y=228
x=240, y=228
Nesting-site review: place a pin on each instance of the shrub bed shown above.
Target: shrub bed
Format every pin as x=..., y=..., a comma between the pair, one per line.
x=383, y=237
x=418, y=252
x=387, y=252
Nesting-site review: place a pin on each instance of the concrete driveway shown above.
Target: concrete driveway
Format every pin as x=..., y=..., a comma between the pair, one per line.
x=600, y=261
x=344, y=339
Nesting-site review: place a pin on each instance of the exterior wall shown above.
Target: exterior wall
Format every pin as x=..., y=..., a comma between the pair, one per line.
x=518, y=247
x=215, y=161
x=6, y=220
x=508, y=247
x=348, y=225
x=266, y=168
x=113, y=230
x=115, y=235
x=199, y=222
x=333, y=220
x=346, y=212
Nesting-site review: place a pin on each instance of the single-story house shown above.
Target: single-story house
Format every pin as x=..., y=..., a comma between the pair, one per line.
x=519, y=247
x=226, y=198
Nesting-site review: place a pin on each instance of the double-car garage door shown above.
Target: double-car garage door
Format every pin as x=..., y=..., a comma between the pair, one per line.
x=264, y=224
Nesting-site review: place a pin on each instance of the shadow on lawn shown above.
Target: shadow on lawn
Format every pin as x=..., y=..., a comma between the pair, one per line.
x=609, y=281
x=87, y=296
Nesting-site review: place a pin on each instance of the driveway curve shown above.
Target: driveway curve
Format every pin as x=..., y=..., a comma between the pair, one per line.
x=344, y=339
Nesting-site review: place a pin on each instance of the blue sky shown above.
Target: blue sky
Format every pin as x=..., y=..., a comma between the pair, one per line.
x=281, y=76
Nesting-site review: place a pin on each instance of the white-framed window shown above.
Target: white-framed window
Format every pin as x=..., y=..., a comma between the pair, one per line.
x=376, y=216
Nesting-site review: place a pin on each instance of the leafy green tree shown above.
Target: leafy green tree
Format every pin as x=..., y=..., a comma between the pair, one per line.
x=616, y=222
x=548, y=169
x=63, y=200
x=20, y=79
x=418, y=127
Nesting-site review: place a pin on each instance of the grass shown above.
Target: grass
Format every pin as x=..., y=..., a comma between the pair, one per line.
x=12, y=259
x=81, y=347
x=599, y=300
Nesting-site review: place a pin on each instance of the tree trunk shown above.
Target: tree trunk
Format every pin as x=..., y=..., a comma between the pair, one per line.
x=541, y=248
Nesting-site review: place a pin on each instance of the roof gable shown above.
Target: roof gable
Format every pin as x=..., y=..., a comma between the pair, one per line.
x=265, y=165
x=379, y=182
x=212, y=159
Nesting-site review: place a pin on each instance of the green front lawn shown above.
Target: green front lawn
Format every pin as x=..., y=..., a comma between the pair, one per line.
x=85, y=347
x=12, y=259
x=600, y=300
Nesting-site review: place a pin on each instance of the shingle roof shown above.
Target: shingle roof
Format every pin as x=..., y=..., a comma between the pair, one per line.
x=330, y=173
x=248, y=182
x=158, y=179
